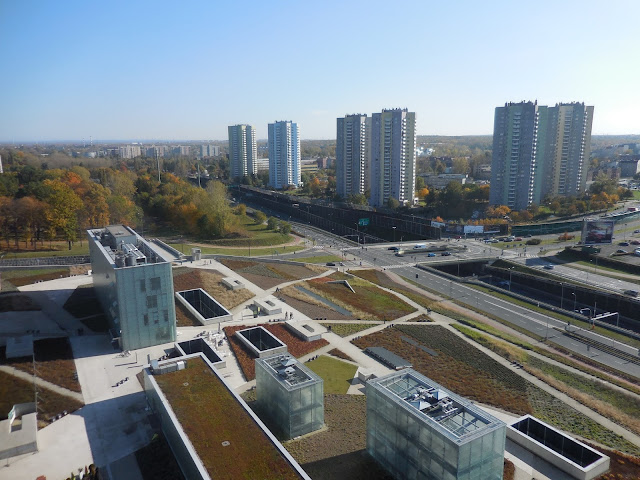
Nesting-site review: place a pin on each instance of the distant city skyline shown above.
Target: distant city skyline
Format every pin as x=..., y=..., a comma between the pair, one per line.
x=160, y=71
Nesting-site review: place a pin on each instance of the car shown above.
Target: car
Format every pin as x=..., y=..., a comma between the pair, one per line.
x=395, y=249
x=621, y=251
x=446, y=254
x=631, y=293
x=624, y=244
x=634, y=242
x=495, y=240
x=508, y=240
x=518, y=239
x=457, y=237
x=431, y=254
x=331, y=264
x=528, y=236
x=341, y=264
x=549, y=266
x=636, y=231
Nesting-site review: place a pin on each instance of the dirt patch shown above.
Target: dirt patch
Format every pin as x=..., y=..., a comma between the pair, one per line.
x=54, y=362
x=622, y=467
x=11, y=302
x=313, y=310
x=19, y=278
x=211, y=282
x=246, y=360
x=340, y=354
x=268, y=275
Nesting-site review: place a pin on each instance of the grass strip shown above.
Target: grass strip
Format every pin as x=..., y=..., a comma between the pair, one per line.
x=336, y=374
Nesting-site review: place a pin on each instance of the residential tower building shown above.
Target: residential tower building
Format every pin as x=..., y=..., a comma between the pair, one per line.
x=284, y=154
x=393, y=157
x=539, y=151
x=353, y=155
x=243, y=153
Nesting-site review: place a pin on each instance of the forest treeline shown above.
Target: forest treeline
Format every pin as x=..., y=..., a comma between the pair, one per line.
x=41, y=204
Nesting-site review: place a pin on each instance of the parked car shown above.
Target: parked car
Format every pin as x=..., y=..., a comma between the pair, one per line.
x=518, y=239
x=634, y=242
x=446, y=254
x=624, y=244
x=431, y=254
x=631, y=293
x=636, y=231
x=549, y=266
x=621, y=251
x=331, y=264
x=395, y=249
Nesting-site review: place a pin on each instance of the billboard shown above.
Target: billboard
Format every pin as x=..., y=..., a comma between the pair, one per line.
x=363, y=222
x=473, y=229
x=596, y=232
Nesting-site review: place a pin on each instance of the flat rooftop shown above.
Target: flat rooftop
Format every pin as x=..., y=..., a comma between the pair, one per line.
x=289, y=371
x=455, y=416
x=227, y=438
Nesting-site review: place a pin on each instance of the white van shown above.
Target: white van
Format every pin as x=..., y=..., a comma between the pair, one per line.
x=420, y=246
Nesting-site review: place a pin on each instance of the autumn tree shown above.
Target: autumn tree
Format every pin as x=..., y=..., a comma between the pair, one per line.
x=63, y=206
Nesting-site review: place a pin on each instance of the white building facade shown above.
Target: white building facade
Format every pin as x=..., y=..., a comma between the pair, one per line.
x=284, y=154
x=243, y=153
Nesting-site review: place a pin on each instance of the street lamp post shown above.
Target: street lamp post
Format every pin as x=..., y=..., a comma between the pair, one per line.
x=510, y=272
x=562, y=296
x=575, y=299
x=394, y=234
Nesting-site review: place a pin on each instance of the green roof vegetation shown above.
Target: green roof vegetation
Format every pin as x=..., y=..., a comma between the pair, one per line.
x=210, y=415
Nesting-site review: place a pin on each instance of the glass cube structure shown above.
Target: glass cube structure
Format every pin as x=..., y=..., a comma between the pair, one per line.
x=417, y=429
x=289, y=396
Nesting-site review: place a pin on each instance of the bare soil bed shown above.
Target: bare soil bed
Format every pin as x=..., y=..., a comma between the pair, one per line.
x=311, y=310
x=54, y=362
x=268, y=275
x=12, y=279
x=16, y=302
x=211, y=282
x=246, y=360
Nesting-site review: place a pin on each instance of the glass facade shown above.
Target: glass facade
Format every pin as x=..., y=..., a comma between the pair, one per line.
x=289, y=396
x=134, y=286
x=418, y=430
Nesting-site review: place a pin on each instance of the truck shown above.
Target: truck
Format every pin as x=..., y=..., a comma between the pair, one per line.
x=420, y=246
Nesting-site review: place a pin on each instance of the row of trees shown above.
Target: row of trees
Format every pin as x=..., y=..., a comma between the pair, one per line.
x=39, y=204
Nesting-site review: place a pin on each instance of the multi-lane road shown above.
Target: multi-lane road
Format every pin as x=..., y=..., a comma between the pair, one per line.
x=538, y=323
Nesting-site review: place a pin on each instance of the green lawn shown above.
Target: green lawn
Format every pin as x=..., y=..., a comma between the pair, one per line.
x=346, y=329
x=241, y=252
x=636, y=194
x=257, y=236
x=336, y=374
x=318, y=259
x=55, y=249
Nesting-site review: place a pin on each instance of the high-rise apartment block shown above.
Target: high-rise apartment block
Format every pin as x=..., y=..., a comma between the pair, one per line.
x=134, y=285
x=284, y=154
x=129, y=151
x=243, y=153
x=393, y=157
x=539, y=151
x=209, y=151
x=353, y=155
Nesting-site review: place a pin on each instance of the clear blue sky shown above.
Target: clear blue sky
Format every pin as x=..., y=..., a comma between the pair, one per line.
x=144, y=70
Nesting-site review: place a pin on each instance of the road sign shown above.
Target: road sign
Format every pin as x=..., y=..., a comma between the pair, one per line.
x=363, y=222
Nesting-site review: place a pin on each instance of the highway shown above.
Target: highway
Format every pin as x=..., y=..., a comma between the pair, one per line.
x=538, y=323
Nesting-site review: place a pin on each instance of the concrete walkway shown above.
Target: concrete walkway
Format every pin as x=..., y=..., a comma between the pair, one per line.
x=42, y=383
